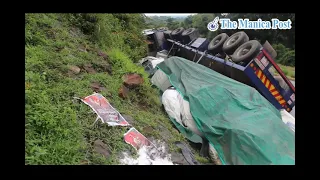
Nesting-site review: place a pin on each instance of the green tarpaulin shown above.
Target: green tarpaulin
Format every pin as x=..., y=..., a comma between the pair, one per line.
x=241, y=124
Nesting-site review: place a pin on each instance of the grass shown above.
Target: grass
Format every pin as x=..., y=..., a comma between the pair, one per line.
x=288, y=71
x=58, y=128
x=202, y=160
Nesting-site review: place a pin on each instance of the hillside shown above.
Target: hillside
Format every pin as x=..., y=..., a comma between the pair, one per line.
x=75, y=55
x=164, y=21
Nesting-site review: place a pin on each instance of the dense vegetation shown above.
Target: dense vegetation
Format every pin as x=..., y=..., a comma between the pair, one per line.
x=58, y=128
x=283, y=41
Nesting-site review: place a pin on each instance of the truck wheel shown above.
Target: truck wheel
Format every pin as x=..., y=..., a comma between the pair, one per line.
x=216, y=43
x=189, y=35
x=234, y=41
x=246, y=51
x=176, y=34
x=188, y=31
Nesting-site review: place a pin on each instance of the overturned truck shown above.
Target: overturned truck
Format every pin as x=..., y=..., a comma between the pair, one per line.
x=233, y=89
x=236, y=57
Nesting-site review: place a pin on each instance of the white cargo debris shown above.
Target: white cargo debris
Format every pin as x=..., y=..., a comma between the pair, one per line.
x=160, y=80
x=147, y=156
x=162, y=54
x=153, y=60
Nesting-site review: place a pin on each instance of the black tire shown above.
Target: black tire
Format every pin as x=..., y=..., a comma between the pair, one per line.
x=176, y=34
x=177, y=31
x=234, y=41
x=247, y=51
x=189, y=35
x=167, y=34
x=215, y=46
x=188, y=31
x=162, y=29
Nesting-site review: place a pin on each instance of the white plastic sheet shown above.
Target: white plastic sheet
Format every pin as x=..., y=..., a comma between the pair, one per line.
x=288, y=119
x=179, y=109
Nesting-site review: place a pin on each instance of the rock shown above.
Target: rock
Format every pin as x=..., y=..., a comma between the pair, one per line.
x=96, y=86
x=123, y=92
x=89, y=69
x=178, y=158
x=101, y=148
x=74, y=69
x=132, y=80
x=102, y=54
x=128, y=118
x=187, y=153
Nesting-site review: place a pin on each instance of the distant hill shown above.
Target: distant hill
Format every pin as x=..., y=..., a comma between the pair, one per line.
x=180, y=17
x=160, y=21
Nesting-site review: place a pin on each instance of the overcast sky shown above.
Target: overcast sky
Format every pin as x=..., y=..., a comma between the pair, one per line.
x=173, y=14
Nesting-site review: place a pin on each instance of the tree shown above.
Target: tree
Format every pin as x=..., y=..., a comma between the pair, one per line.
x=285, y=55
x=172, y=24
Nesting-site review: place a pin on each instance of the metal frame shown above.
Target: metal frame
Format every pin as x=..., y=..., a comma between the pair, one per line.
x=261, y=87
x=249, y=71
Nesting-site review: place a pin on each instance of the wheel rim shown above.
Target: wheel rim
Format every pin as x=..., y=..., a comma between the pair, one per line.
x=244, y=50
x=232, y=40
x=216, y=41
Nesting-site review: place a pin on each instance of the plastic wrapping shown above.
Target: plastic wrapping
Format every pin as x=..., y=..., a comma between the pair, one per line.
x=240, y=123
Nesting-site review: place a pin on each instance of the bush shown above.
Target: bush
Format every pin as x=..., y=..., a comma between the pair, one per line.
x=285, y=55
x=285, y=71
x=85, y=22
x=122, y=31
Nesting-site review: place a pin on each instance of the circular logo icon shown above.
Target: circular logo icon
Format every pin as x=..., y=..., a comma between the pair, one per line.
x=214, y=25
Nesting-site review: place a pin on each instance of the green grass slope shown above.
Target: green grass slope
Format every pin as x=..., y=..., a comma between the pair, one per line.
x=58, y=128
